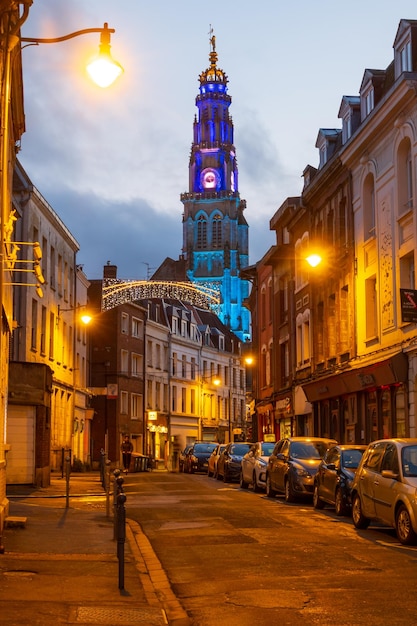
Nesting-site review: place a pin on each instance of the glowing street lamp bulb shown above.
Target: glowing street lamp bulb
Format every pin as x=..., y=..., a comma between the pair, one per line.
x=216, y=381
x=104, y=70
x=314, y=260
x=85, y=318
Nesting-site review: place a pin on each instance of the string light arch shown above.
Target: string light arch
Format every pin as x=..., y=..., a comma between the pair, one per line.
x=116, y=291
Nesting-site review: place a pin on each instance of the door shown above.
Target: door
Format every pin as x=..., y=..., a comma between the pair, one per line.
x=21, y=437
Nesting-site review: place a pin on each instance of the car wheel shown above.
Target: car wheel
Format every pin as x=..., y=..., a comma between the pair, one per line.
x=317, y=501
x=225, y=476
x=209, y=474
x=339, y=503
x=403, y=526
x=256, y=487
x=243, y=483
x=359, y=520
x=270, y=492
x=289, y=494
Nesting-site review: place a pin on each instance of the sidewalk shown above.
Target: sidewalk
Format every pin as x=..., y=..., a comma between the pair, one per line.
x=62, y=566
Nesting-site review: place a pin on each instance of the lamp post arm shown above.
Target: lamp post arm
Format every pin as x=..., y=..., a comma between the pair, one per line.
x=104, y=31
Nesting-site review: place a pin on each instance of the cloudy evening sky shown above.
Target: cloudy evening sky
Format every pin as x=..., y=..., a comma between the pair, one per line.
x=113, y=163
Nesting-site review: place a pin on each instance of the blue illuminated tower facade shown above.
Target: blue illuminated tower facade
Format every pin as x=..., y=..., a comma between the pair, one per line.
x=215, y=231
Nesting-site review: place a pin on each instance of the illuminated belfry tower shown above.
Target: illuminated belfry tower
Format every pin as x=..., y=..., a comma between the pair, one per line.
x=215, y=232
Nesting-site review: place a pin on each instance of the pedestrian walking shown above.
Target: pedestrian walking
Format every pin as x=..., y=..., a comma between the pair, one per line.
x=127, y=449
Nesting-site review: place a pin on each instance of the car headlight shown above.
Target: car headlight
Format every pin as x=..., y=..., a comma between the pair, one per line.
x=300, y=471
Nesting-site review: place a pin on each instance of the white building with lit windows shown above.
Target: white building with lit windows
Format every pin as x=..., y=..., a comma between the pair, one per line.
x=48, y=394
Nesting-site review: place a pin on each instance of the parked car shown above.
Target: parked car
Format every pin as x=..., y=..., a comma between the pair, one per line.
x=293, y=464
x=334, y=478
x=385, y=486
x=182, y=456
x=213, y=458
x=254, y=464
x=228, y=465
x=196, y=459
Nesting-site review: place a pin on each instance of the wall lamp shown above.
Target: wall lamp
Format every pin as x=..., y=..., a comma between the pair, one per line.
x=103, y=69
x=84, y=317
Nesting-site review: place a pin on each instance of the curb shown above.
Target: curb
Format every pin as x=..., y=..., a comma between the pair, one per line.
x=153, y=577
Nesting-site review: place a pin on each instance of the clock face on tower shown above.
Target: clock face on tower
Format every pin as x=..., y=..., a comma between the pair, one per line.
x=209, y=178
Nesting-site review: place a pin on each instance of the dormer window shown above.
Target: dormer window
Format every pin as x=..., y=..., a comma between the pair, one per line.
x=405, y=58
x=369, y=101
x=349, y=113
x=403, y=47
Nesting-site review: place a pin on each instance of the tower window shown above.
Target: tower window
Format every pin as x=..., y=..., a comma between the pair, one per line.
x=217, y=232
x=201, y=232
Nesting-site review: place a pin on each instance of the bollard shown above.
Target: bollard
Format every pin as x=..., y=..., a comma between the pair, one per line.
x=108, y=463
x=121, y=537
x=117, y=489
x=102, y=467
x=67, y=479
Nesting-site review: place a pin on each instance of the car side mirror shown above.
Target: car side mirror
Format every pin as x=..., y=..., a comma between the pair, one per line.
x=390, y=474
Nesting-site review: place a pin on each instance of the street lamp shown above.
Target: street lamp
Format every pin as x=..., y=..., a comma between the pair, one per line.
x=103, y=69
x=85, y=317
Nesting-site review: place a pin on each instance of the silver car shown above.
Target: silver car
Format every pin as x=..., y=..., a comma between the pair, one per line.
x=385, y=487
x=254, y=464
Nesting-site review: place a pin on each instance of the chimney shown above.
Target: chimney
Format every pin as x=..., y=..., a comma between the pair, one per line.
x=110, y=271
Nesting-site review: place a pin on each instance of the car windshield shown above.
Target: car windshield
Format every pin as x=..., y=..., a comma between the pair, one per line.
x=409, y=461
x=266, y=448
x=351, y=458
x=204, y=447
x=240, y=449
x=308, y=449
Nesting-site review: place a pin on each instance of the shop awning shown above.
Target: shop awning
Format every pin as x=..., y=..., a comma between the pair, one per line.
x=388, y=372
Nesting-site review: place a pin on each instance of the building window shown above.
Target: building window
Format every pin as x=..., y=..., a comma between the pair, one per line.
x=157, y=396
x=43, y=330
x=165, y=398
x=201, y=232
x=124, y=402
x=125, y=323
x=192, y=402
x=149, y=350
x=183, y=400
x=137, y=328
x=371, y=313
x=217, y=232
x=263, y=306
x=369, y=207
x=51, y=335
x=124, y=361
x=137, y=406
x=158, y=356
x=193, y=368
x=174, y=399
x=405, y=177
x=137, y=367
x=303, y=338
x=174, y=363
x=34, y=329
x=369, y=101
x=184, y=366
x=407, y=272
x=405, y=58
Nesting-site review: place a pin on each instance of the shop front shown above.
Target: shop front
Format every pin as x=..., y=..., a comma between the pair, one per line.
x=362, y=404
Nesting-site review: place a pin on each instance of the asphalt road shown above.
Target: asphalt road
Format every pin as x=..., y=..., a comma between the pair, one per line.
x=235, y=557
